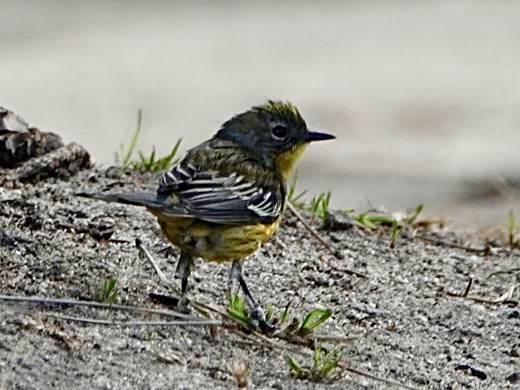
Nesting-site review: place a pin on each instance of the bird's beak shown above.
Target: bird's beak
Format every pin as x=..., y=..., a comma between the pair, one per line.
x=317, y=136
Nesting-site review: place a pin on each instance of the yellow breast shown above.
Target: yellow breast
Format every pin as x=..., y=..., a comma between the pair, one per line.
x=216, y=242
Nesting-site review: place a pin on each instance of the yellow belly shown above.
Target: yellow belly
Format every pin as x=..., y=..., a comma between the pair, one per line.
x=215, y=242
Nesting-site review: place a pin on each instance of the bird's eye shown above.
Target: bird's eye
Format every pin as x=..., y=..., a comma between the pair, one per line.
x=279, y=132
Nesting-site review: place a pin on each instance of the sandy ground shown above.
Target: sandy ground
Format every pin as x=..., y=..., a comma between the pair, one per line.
x=423, y=96
x=406, y=324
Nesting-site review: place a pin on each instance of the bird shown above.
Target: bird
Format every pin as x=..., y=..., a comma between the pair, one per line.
x=227, y=196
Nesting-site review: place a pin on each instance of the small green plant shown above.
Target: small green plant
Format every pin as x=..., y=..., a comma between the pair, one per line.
x=372, y=220
x=323, y=365
x=290, y=327
x=153, y=164
x=150, y=163
x=394, y=234
x=413, y=217
x=319, y=206
x=124, y=157
x=237, y=309
x=106, y=292
x=294, y=198
x=312, y=320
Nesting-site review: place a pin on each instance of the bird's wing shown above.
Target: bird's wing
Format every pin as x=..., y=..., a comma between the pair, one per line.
x=219, y=198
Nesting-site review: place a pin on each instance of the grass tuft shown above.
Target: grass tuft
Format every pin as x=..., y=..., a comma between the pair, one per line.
x=124, y=157
x=294, y=330
x=294, y=198
x=323, y=365
x=237, y=309
x=318, y=206
x=373, y=220
x=290, y=328
x=152, y=164
x=147, y=163
x=106, y=292
x=312, y=320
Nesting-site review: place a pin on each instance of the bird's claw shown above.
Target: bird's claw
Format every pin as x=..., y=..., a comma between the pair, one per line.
x=258, y=321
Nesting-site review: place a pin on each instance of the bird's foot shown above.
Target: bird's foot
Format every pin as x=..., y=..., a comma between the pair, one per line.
x=183, y=306
x=258, y=321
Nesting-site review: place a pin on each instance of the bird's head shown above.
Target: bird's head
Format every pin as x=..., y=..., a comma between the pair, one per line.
x=274, y=133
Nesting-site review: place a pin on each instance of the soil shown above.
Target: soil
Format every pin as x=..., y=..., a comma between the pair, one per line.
x=406, y=321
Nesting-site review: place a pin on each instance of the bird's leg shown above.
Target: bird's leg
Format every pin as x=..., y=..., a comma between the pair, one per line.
x=183, y=271
x=237, y=274
x=257, y=313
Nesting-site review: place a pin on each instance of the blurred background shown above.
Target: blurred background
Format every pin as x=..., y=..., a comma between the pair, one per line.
x=424, y=97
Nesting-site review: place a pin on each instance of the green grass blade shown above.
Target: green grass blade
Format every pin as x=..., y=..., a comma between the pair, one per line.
x=126, y=158
x=314, y=319
x=416, y=213
x=394, y=235
x=295, y=366
x=330, y=361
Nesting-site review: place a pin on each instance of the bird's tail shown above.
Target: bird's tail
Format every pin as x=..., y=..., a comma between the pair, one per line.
x=147, y=199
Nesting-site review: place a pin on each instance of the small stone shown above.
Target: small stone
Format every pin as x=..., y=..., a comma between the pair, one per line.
x=513, y=378
x=337, y=220
x=19, y=142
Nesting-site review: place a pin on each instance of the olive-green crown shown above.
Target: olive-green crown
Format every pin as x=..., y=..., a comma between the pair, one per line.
x=279, y=108
x=257, y=123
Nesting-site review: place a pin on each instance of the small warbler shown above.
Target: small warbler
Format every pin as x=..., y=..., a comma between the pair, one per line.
x=227, y=196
